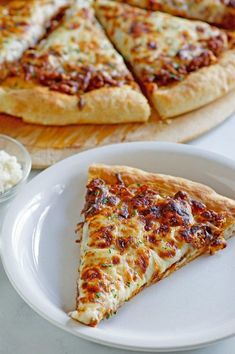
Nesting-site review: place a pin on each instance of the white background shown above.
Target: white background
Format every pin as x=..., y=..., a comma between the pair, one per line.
x=23, y=332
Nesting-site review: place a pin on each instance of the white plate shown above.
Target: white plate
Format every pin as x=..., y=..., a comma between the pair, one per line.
x=191, y=308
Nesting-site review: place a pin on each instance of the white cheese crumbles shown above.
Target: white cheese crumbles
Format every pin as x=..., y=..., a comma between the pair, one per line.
x=10, y=171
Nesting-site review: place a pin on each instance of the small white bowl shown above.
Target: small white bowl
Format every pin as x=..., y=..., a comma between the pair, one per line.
x=14, y=147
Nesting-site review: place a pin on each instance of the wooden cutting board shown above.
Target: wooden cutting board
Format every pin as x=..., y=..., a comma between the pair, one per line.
x=48, y=144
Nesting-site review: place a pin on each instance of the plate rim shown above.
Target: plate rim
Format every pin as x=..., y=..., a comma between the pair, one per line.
x=165, y=146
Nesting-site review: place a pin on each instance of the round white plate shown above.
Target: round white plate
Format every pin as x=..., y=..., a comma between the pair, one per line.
x=193, y=307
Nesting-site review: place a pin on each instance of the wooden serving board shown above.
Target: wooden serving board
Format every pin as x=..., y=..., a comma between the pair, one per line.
x=49, y=144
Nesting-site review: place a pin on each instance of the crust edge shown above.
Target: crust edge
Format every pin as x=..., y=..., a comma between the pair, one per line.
x=39, y=105
x=198, y=89
x=166, y=184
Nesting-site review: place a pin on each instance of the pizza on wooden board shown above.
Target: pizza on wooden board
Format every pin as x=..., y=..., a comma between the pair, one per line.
x=181, y=64
x=138, y=228
x=219, y=12
x=73, y=76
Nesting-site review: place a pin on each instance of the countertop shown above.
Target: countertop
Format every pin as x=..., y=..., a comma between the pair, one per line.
x=22, y=331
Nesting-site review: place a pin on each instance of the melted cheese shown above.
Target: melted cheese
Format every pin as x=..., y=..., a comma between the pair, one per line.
x=78, y=41
x=132, y=236
x=152, y=41
x=120, y=289
x=23, y=23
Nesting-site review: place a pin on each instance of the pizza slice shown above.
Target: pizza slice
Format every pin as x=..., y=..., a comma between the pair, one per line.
x=73, y=76
x=219, y=12
x=23, y=23
x=138, y=228
x=181, y=64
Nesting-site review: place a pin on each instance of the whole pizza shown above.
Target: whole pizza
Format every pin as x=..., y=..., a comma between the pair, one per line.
x=83, y=61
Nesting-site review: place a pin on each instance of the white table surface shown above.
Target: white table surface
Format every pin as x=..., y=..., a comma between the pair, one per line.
x=22, y=331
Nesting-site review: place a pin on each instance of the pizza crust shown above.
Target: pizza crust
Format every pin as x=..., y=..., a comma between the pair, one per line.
x=166, y=184
x=197, y=89
x=39, y=105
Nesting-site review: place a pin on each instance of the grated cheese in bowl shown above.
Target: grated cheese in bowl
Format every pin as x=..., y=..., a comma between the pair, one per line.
x=10, y=171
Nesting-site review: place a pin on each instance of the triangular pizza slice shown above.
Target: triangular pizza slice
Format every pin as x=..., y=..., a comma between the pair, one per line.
x=138, y=228
x=73, y=76
x=181, y=64
x=219, y=12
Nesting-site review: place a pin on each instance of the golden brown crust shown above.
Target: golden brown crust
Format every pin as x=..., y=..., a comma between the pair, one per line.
x=166, y=184
x=198, y=89
x=37, y=104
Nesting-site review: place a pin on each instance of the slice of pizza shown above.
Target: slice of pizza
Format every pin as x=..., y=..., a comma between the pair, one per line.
x=138, y=228
x=73, y=76
x=219, y=12
x=182, y=64
x=23, y=23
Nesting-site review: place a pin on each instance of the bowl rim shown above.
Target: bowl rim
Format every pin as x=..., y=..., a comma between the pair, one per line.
x=26, y=171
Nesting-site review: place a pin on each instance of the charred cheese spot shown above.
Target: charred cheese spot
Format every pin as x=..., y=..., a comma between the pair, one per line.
x=123, y=243
x=166, y=250
x=176, y=213
x=159, y=234
x=116, y=259
x=91, y=274
x=204, y=236
x=142, y=261
x=90, y=287
x=102, y=238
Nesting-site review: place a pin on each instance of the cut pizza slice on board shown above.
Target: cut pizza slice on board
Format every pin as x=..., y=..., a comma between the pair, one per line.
x=219, y=12
x=138, y=228
x=73, y=76
x=181, y=64
x=22, y=24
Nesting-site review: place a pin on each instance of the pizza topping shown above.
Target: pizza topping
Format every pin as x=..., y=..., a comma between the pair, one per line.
x=138, y=28
x=91, y=273
x=75, y=58
x=21, y=26
x=142, y=260
x=103, y=237
x=74, y=80
x=116, y=259
x=203, y=236
x=162, y=49
x=192, y=221
x=123, y=243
